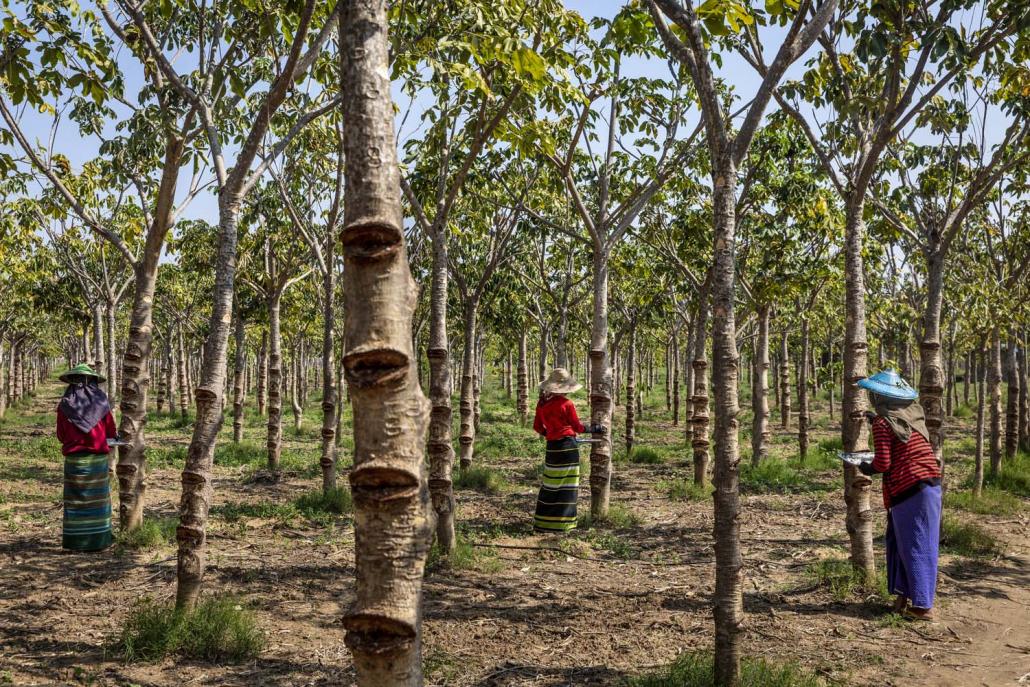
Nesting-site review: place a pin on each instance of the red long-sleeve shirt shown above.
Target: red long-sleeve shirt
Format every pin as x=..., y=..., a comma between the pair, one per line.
x=556, y=418
x=74, y=440
x=904, y=465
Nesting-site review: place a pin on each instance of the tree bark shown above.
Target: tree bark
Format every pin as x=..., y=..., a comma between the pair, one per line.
x=981, y=402
x=1024, y=401
x=239, y=361
x=392, y=527
x=1012, y=399
x=441, y=451
x=631, y=390
x=181, y=371
x=853, y=426
x=296, y=382
x=112, y=355
x=522, y=396
x=274, y=435
x=728, y=598
x=784, y=382
x=674, y=355
x=262, y=373
x=466, y=405
x=98, y=343
x=327, y=461
x=803, y=419
x=600, y=390
x=994, y=390
x=931, y=374
x=699, y=421
x=759, y=390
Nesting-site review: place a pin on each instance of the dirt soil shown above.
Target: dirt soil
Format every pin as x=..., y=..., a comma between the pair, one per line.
x=591, y=609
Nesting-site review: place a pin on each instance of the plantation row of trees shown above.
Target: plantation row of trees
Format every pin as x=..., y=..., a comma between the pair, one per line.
x=583, y=194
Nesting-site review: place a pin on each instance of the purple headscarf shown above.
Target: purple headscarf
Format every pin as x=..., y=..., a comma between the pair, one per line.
x=84, y=404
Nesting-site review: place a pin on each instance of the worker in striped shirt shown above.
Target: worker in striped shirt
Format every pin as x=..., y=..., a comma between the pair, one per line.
x=911, y=492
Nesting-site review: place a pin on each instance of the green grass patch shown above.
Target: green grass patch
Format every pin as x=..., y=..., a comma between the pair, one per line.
x=697, y=669
x=234, y=511
x=964, y=412
x=775, y=475
x=465, y=557
x=992, y=501
x=618, y=517
x=167, y=456
x=684, y=490
x=480, y=478
x=892, y=621
x=336, y=501
x=644, y=455
x=218, y=629
x=1013, y=476
x=153, y=533
x=229, y=454
x=967, y=539
x=845, y=581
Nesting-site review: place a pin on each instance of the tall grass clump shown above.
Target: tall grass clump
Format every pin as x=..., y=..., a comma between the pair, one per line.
x=844, y=581
x=218, y=629
x=697, y=669
x=464, y=557
x=967, y=539
x=618, y=517
x=684, y=490
x=773, y=474
x=992, y=501
x=337, y=500
x=1013, y=476
x=644, y=455
x=153, y=533
x=480, y=478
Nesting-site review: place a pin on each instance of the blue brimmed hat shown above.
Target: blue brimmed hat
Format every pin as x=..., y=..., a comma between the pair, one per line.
x=890, y=384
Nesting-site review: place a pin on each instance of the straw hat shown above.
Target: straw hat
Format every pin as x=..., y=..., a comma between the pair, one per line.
x=559, y=382
x=889, y=383
x=81, y=370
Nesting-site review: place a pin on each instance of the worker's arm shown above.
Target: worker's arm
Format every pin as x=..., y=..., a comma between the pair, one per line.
x=882, y=446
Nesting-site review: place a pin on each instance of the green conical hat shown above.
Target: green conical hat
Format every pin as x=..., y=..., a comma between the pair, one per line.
x=84, y=370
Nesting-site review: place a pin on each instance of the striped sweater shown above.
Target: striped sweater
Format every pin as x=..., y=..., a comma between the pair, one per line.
x=905, y=466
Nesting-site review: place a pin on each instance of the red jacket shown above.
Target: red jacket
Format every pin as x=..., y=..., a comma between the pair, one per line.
x=556, y=418
x=904, y=465
x=74, y=440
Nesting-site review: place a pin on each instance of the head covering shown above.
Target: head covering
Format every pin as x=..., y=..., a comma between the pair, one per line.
x=84, y=404
x=559, y=382
x=903, y=416
x=83, y=370
x=890, y=384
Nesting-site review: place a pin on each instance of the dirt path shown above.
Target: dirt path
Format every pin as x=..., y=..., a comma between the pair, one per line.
x=610, y=603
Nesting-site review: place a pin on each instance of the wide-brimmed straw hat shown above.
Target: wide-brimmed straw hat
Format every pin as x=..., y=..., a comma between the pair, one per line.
x=559, y=382
x=890, y=384
x=81, y=370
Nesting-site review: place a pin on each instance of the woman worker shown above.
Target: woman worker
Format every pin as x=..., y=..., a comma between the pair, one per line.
x=556, y=419
x=911, y=492
x=84, y=424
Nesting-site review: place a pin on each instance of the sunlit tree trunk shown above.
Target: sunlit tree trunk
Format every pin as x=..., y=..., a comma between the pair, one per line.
x=803, y=419
x=274, y=435
x=262, y=373
x=760, y=389
x=180, y=369
x=674, y=356
x=392, y=527
x=98, y=342
x=1024, y=401
x=600, y=389
x=994, y=391
x=239, y=361
x=296, y=379
x=1012, y=399
x=631, y=389
x=981, y=402
x=110, y=313
x=699, y=421
x=522, y=396
x=784, y=382
x=931, y=374
x=466, y=404
x=327, y=461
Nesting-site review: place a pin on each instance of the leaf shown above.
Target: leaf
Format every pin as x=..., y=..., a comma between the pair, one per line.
x=527, y=63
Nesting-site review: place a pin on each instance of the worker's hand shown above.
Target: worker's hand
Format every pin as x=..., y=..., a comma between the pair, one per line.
x=870, y=416
x=598, y=429
x=866, y=469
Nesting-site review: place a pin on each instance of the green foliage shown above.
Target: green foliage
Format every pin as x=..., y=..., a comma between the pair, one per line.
x=465, y=557
x=234, y=511
x=619, y=517
x=167, y=456
x=844, y=580
x=684, y=490
x=153, y=533
x=218, y=629
x=967, y=539
x=697, y=669
x=774, y=475
x=1013, y=476
x=480, y=478
x=992, y=501
x=963, y=412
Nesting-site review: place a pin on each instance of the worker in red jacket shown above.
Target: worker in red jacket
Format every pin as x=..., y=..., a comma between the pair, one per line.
x=911, y=492
x=556, y=420
x=84, y=425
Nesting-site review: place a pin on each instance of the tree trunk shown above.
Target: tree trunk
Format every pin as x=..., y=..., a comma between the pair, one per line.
x=728, y=598
x=600, y=390
x=274, y=435
x=784, y=382
x=965, y=378
x=1024, y=401
x=699, y=440
x=262, y=373
x=675, y=360
x=180, y=369
x=98, y=343
x=477, y=382
x=112, y=354
x=239, y=362
x=853, y=426
x=162, y=382
x=507, y=373
x=950, y=393
x=802, y=368
x=327, y=461
x=981, y=402
x=466, y=404
x=759, y=390
x=631, y=389
x=522, y=397
x=1012, y=399
x=392, y=527
x=994, y=390
x=297, y=366
x=931, y=374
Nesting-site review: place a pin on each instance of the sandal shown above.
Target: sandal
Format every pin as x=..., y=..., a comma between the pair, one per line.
x=900, y=604
x=924, y=614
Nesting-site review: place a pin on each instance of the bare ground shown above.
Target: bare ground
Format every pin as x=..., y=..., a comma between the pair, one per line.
x=593, y=609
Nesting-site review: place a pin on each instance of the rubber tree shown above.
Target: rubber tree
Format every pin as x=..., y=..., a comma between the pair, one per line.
x=727, y=151
x=393, y=519
x=892, y=50
x=234, y=179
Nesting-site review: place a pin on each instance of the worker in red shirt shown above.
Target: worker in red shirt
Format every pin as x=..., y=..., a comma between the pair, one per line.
x=556, y=420
x=911, y=492
x=84, y=425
